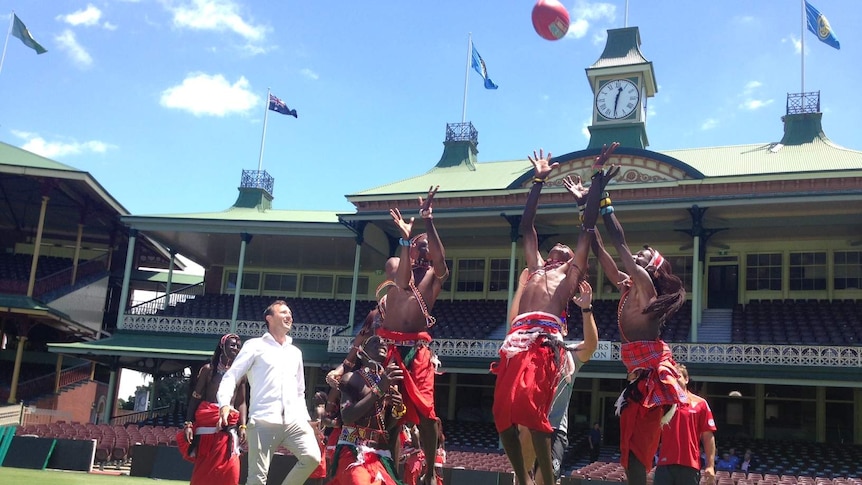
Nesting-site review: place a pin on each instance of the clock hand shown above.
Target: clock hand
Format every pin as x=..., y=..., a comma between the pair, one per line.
x=617, y=100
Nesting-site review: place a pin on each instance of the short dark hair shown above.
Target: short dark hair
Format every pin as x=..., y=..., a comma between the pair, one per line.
x=270, y=310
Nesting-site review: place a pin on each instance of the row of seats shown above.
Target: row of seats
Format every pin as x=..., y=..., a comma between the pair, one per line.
x=798, y=322
x=114, y=443
x=475, y=445
x=766, y=321
x=17, y=266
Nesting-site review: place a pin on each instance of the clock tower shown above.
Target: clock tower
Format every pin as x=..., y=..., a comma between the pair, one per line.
x=621, y=80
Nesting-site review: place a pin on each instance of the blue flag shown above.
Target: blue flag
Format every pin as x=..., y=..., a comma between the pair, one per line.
x=278, y=106
x=479, y=66
x=20, y=30
x=818, y=25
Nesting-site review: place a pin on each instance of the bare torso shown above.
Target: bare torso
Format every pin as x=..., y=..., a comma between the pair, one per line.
x=548, y=290
x=403, y=312
x=211, y=381
x=634, y=323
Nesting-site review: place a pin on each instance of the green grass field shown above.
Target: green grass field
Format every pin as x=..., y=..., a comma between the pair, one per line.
x=22, y=476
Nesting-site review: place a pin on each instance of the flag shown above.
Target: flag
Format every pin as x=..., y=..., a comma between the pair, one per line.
x=20, y=30
x=479, y=66
x=278, y=105
x=819, y=26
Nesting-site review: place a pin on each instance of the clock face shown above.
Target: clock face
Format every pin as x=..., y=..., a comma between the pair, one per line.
x=617, y=99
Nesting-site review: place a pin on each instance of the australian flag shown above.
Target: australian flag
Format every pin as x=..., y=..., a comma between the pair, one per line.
x=820, y=27
x=278, y=105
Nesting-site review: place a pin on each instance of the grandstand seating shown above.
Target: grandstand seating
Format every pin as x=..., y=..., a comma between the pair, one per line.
x=475, y=445
x=791, y=322
x=798, y=322
x=114, y=443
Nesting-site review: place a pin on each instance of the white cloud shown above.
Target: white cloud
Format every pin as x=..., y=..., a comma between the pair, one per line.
x=755, y=104
x=584, y=14
x=585, y=129
x=750, y=102
x=578, y=28
x=308, y=73
x=709, y=124
x=89, y=16
x=76, y=51
x=219, y=16
x=205, y=95
x=54, y=149
x=752, y=85
x=795, y=42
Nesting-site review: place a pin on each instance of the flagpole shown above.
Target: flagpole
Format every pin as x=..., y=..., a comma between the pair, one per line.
x=8, y=33
x=263, y=135
x=802, y=36
x=467, y=75
x=627, y=13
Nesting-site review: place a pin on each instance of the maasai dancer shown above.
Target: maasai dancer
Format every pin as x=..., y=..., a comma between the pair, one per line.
x=533, y=357
x=371, y=407
x=416, y=279
x=213, y=450
x=559, y=414
x=651, y=294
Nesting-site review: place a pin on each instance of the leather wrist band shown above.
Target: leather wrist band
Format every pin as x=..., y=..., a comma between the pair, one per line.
x=588, y=309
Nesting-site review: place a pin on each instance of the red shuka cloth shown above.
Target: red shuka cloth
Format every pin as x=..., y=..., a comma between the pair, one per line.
x=526, y=382
x=417, y=387
x=371, y=471
x=214, y=462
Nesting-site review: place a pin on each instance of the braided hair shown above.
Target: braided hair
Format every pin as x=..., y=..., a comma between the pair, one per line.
x=670, y=291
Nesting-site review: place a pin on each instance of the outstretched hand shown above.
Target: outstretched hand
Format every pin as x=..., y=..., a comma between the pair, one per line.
x=601, y=177
x=541, y=164
x=605, y=155
x=425, y=208
x=584, y=297
x=406, y=227
x=576, y=187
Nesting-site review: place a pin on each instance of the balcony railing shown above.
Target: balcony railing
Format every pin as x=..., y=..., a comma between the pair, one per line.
x=742, y=354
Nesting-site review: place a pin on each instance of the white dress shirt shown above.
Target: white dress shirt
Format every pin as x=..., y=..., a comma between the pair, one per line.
x=275, y=373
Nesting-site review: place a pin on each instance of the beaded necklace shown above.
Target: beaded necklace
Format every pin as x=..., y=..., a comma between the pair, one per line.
x=372, y=381
x=221, y=367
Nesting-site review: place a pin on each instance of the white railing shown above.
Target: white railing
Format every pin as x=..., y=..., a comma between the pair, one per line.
x=743, y=354
x=11, y=415
x=210, y=326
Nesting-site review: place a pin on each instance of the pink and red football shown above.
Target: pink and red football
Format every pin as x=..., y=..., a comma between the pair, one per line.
x=550, y=19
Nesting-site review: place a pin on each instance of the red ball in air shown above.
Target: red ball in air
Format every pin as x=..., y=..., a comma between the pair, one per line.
x=550, y=19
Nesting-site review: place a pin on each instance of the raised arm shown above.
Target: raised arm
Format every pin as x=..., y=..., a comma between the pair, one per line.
x=639, y=275
x=584, y=300
x=403, y=275
x=541, y=169
x=606, y=261
x=435, y=246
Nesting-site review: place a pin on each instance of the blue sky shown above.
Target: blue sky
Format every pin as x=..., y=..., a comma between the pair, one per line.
x=162, y=101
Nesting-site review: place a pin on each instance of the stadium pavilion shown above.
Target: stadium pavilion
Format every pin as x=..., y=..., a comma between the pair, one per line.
x=767, y=238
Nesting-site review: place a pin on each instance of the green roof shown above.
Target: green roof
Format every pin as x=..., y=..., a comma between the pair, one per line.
x=480, y=177
x=804, y=149
x=14, y=156
x=270, y=215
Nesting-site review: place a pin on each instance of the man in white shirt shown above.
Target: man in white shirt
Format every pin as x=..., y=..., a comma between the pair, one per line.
x=278, y=414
